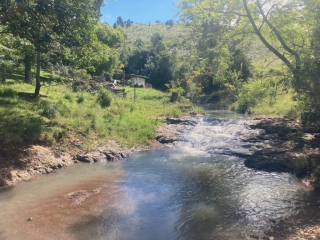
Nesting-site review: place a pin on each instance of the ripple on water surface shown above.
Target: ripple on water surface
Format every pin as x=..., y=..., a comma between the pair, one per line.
x=194, y=190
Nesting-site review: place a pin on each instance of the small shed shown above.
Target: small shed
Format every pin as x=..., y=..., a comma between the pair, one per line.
x=138, y=80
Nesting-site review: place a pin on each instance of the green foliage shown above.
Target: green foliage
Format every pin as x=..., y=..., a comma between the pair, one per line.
x=250, y=94
x=288, y=33
x=80, y=98
x=50, y=27
x=104, y=98
x=65, y=114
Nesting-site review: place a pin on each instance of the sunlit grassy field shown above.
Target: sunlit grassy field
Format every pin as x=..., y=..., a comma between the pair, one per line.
x=65, y=115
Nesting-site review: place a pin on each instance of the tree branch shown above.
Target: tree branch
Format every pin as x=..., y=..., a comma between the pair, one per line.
x=278, y=35
x=226, y=13
x=264, y=41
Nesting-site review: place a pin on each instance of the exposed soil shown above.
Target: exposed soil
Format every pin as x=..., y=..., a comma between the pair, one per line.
x=22, y=163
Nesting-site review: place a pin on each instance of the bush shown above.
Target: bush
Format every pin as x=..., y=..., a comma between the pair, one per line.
x=251, y=93
x=104, y=98
x=68, y=97
x=80, y=98
x=50, y=110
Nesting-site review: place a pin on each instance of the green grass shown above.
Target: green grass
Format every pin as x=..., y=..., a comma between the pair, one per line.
x=281, y=105
x=65, y=116
x=266, y=96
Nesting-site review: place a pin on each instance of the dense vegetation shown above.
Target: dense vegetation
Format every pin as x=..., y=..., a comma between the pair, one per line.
x=288, y=30
x=248, y=56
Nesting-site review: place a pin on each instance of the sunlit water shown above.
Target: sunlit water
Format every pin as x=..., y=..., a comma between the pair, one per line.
x=194, y=190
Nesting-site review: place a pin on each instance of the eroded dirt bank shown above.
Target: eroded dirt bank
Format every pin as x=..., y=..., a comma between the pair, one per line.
x=21, y=164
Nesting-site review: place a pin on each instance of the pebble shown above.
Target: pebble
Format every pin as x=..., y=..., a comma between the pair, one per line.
x=29, y=219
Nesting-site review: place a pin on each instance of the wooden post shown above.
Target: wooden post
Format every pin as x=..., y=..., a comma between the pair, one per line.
x=4, y=70
x=124, y=78
x=135, y=94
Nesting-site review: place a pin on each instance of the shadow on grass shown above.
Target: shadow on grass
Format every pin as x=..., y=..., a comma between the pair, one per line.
x=19, y=124
x=15, y=76
x=16, y=125
x=18, y=130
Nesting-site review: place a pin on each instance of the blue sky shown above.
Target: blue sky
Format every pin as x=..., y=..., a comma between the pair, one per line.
x=139, y=11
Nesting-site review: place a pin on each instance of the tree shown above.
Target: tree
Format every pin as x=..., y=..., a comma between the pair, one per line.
x=169, y=23
x=272, y=21
x=137, y=59
x=120, y=22
x=46, y=23
x=160, y=66
x=156, y=38
x=128, y=23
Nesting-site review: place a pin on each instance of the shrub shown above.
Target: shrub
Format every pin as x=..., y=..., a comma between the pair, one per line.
x=68, y=97
x=50, y=110
x=80, y=98
x=104, y=98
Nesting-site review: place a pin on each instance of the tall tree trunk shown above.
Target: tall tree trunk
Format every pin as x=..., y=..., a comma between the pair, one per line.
x=38, y=84
x=27, y=71
x=4, y=70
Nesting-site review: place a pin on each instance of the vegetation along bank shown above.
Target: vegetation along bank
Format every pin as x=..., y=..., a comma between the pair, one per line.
x=244, y=56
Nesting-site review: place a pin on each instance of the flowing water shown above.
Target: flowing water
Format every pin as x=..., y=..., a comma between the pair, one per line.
x=193, y=190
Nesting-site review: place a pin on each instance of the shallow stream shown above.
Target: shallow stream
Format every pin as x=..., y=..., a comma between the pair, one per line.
x=193, y=190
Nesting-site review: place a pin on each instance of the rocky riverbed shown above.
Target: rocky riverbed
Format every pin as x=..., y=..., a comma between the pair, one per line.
x=284, y=145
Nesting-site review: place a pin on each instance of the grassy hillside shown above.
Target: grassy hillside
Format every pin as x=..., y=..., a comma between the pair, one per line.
x=66, y=117
x=176, y=37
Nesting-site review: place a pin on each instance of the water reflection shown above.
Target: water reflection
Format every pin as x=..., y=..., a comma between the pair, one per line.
x=196, y=190
x=207, y=194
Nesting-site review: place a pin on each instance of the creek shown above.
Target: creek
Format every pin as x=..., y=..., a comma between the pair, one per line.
x=195, y=189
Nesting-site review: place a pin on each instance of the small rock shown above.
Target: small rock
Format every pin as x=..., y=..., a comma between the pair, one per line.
x=271, y=238
x=29, y=219
x=254, y=236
